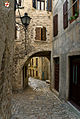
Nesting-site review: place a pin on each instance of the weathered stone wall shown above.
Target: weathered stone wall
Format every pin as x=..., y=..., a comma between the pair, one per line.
x=39, y=18
x=65, y=44
x=6, y=57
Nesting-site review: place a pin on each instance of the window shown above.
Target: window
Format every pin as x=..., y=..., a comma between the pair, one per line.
x=15, y=32
x=37, y=62
x=33, y=73
x=55, y=25
x=30, y=72
x=75, y=10
x=34, y=3
x=41, y=4
x=49, y=5
x=32, y=62
x=65, y=15
x=37, y=73
x=75, y=6
x=41, y=33
x=38, y=5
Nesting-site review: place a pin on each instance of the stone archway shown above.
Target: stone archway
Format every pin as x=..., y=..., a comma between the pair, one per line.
x=18, y=80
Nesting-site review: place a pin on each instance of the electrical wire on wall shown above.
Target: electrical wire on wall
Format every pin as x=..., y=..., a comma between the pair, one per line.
x=63, y=3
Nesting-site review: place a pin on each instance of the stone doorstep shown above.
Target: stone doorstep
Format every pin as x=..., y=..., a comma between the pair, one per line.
x=74, y=109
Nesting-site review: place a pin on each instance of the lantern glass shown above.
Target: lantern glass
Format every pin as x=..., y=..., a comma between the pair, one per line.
x=25, y=19
x=28, y=20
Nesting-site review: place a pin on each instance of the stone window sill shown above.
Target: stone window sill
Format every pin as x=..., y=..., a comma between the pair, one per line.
x=40, y=41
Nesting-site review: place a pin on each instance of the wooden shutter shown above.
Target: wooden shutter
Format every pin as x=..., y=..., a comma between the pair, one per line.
x=15, y=3
x=75, y=6
x=49, y=5
x=34, y=3
x=43, y=34
x=50, y=8
x=32, y=62
x=36, y=61
x=55, y=25
x=36, y=73
x=33, y=72
x=65, y=15
x=38, y=33
x=56, y=73
x=15, y=32
x=30, y=72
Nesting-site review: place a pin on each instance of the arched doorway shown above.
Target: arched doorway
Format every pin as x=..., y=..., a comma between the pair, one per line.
x=21, y=79
x=36, y=67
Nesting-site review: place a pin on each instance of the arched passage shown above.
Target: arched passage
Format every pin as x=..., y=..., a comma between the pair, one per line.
x=20, y=82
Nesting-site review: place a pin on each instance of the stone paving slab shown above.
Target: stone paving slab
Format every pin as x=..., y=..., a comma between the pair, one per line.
x=38, y=102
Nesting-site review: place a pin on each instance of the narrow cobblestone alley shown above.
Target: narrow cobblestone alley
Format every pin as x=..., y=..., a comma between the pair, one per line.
x=38, y=102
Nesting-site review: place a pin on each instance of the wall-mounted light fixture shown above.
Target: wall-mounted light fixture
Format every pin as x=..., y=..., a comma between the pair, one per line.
x=25, y=20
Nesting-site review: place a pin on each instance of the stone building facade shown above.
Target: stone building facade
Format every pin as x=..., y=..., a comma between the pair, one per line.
x=66, y=49
x=36, y=43
x=39, y=68
x=6, y=57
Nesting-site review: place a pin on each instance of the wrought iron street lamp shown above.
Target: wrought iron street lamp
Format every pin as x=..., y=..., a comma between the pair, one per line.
x=25, y=21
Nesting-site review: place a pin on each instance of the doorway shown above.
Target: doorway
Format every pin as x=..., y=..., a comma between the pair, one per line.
x=56, y=74
x=74, y=94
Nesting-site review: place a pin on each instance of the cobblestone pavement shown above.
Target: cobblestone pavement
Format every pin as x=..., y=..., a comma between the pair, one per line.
x=38, y=102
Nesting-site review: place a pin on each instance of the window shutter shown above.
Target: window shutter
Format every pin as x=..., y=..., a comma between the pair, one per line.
x=55, y=25
x=15, y=32
x=34, y=3
x=65, y=15
x=38, y=33
x=36, y=61
x=50, y=8
x=43, y=35
x=49, y=5
x=15, y=3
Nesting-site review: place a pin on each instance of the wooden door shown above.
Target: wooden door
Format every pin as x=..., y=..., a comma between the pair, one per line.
x=75, y=80
x=56, y=73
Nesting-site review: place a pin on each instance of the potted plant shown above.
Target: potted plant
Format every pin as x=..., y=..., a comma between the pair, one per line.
x=72, y=18
x=76, y=14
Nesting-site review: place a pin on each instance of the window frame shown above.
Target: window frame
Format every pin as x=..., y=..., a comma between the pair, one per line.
x=65, y=15
x=40, y=4
x=36, y=62
x=32, y=61
x=55, y=25
x=34, y=4
x=72, y=16
x=49, y=5
x=73, y=12
x=33, y=72
x=42, y=33
x=36, y=73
